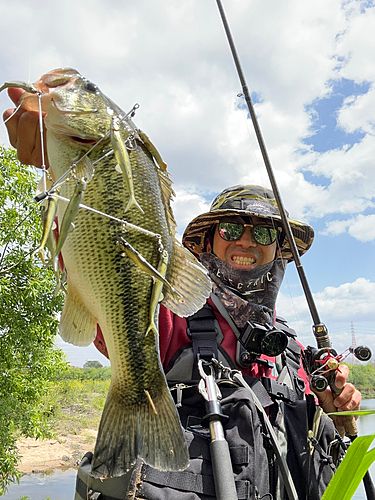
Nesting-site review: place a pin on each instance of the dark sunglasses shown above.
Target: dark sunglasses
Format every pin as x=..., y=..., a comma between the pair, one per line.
x=232, y=231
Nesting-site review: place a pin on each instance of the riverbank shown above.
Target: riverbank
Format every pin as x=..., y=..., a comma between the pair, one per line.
x=74, y=406
x=47, y=455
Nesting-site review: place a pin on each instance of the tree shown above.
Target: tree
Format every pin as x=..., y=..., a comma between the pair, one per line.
x=93, y=364
x=28, y=310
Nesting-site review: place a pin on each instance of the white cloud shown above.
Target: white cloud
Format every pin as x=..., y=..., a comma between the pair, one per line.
x=337, y=227
x=357, y=113
x=348, y=301
x=361, y=227
x=178, y=66
x=338, y=307
x=355, y=44
x=352, y=183
x=186, y=206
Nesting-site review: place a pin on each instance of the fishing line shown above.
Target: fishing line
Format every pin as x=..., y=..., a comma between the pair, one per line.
x=64, y=177
x=128, y=225
x=22, y=259
x=285, y=279
x=14, y=112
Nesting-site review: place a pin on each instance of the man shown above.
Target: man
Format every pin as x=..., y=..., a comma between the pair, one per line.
x=242, y=244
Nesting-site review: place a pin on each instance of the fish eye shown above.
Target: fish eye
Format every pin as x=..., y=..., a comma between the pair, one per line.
x=90, y=87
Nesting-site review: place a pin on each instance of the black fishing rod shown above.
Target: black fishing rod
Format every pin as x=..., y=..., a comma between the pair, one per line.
x=324, y=352
x=275, y=189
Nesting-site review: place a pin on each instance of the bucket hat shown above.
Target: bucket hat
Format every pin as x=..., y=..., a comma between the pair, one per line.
x=245, y=201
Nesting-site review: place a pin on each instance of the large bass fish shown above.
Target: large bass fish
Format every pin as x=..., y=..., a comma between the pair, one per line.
x=121, y=259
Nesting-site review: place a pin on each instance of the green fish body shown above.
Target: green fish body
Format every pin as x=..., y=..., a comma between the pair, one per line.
x=107, y=287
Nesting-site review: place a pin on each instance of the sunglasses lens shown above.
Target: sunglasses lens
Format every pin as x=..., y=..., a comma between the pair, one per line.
x=264, y=235
x=230, y=231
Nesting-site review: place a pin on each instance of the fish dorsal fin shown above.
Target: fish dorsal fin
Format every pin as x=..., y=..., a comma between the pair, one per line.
x=152, y=150
x=167, y=195
x=190, y=279
x=165, y=182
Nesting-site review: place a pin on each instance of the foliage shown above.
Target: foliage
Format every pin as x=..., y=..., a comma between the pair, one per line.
x=363, y=376
x=93, y=364
x=351, y=470
x=74, y=373
x=28, y=309
x=77, y=398
x=77, y=403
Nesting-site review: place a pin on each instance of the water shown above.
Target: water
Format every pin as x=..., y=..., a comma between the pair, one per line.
x=366, y=425
x=60, y=485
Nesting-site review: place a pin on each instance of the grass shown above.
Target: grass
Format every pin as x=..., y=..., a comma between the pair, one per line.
x=75, y=402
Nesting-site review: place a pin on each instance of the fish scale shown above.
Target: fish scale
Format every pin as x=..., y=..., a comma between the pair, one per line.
x=118, y=289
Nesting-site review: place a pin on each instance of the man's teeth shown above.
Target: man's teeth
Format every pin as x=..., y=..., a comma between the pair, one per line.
x=243, y=261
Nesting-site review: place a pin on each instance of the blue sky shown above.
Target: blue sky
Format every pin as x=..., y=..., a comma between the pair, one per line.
x=310, y=68
x=326, y=133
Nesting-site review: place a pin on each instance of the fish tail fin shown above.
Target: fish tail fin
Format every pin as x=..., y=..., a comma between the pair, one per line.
x=150, y=430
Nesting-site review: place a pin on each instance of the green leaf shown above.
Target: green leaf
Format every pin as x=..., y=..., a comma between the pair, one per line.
x=357, y=413
x=28, y=309
x=350, y=472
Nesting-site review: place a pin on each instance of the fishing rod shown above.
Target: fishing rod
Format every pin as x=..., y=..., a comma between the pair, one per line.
x=321, y=363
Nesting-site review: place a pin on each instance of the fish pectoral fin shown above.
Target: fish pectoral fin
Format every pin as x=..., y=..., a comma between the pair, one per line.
x=190, y=279
x=77, y=324
x=84, y=169
x=149, y=429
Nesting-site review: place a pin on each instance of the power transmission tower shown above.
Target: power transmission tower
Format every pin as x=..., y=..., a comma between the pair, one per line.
x=354, y=343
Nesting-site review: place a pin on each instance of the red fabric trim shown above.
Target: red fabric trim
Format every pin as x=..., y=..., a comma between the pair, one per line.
x=173, y=338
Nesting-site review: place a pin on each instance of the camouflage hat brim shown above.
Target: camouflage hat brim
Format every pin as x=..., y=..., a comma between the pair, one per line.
x=194, y=237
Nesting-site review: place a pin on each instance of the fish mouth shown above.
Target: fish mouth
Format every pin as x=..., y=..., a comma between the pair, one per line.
x=60, y=127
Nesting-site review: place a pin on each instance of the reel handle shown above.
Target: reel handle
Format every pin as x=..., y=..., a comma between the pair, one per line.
x=349, y=426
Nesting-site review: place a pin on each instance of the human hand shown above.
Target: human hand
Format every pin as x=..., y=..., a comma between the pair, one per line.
x=24, y=132
x=347, y=398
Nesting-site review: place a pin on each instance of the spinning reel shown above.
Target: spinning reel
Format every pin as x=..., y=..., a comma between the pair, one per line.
x=322, y=362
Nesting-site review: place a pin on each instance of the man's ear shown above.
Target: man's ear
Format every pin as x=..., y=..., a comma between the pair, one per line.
x=208, y=247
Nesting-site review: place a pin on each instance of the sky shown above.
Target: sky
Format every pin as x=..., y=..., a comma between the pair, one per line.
x=311, y=72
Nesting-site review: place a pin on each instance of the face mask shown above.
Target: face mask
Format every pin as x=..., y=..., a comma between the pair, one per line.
x=256, y=290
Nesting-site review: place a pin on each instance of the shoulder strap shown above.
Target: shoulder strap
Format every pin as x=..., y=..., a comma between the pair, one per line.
x=204, y=334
